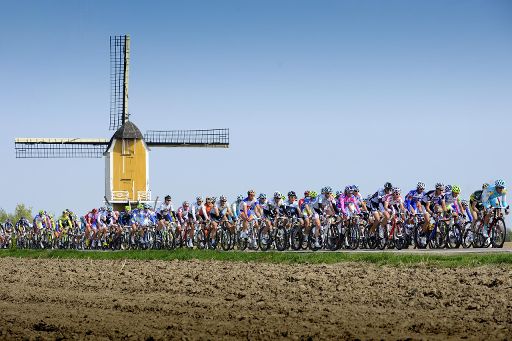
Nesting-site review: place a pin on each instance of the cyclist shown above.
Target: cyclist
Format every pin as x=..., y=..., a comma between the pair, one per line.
x=323, y=205
x=200, y=210
x=359, y=198
x=246, y=209
x=305, y=206
x=375, y=202
x=235, y=205
x=348, y=203
x=222, y=211
x=475, y=201
x=391, y=203
x=452, y=200
x=91, y=225
x=495, y=197
x=413, y=203
x=433, y=201
x=165, y=213
x=186, y=218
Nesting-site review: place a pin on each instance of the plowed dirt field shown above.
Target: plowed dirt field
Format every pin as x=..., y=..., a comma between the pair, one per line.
x=82, y=299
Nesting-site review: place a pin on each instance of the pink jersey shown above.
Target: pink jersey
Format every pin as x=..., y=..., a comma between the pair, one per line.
x=345, y=200
x=392, y=200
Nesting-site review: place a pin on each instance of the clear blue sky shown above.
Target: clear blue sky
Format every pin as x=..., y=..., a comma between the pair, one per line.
x=314, y=92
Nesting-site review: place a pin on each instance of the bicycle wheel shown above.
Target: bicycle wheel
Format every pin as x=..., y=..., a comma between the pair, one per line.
x=352, y=237
x=213, y=238
x=454, y=237
x=281, y=238
x=498, y=233
x=381, y=237
x=467, y=235
x=399, y=235
x=439, y=240
x=200, y=239
x=296, y=237
x=226, y=239
x=242, y=241
x=265, y=238
x=333, y=238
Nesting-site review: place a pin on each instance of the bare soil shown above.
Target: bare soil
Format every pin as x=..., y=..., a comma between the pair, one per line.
x=81, y=299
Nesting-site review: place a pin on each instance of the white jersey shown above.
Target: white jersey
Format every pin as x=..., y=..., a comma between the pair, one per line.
x=164, y=209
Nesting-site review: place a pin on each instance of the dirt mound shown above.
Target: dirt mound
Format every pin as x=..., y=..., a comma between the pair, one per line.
x=56, y=299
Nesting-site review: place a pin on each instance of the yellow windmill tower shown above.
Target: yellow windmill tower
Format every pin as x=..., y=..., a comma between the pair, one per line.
x=127, y=152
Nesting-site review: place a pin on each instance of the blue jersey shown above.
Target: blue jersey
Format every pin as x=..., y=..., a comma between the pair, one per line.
x=412, y=198
x=491, y=197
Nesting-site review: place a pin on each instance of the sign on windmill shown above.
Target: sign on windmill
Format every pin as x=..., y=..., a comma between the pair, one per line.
x=126, y=153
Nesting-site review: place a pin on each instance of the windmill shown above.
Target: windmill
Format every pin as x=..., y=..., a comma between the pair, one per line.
x=126, y=153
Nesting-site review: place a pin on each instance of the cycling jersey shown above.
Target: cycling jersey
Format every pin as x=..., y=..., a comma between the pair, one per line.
x=412, y=198
x=291, y=208
x=433, y=198
x=249, y=204
x=185, y=214
x=200, y=210
x=491, y=197
x=345, y=201
x=452, y=201
x=392, y=200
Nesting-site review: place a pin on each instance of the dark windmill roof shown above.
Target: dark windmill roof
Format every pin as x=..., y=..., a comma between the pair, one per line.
x=128, y=131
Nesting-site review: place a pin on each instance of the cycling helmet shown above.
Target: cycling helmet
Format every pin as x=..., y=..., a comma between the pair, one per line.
x=147, y=206
x=185, y=203
x=167, y=197
x=348, y=189
x=338, y=193
x=251, y=191
x=323, y=190
x=213, y=199
x=396, y=190
x=199, y=199
x=103, y=209
x=464, y=203
x=355, y=188
x=127, y=208
x=448, y=188
x=223, y=198
x=41, y=212
x=262, y=196
x=388, y=185
x=140, y=206
x=440, y=186
x=499, y=184
x=420, y=186
x=485, y=185
x=277, y=194
x=313, y=194
x=239, y=198
x=93, y=210
x=292, y=194
x=455, y=189
x=306, y=193
x=110, y=208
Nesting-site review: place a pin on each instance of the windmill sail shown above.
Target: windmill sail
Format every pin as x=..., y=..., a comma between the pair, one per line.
x=44, y=148
x=119, y=69
x=188, y=138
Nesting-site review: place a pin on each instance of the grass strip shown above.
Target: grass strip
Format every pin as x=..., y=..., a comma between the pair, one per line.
x=381, y=258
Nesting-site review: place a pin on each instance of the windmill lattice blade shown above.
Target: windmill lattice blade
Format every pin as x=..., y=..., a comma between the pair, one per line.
x=45, y=148
x=187, y=138
x=119, y=61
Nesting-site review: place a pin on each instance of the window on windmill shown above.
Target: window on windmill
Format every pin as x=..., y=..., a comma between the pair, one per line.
x=128, y=147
